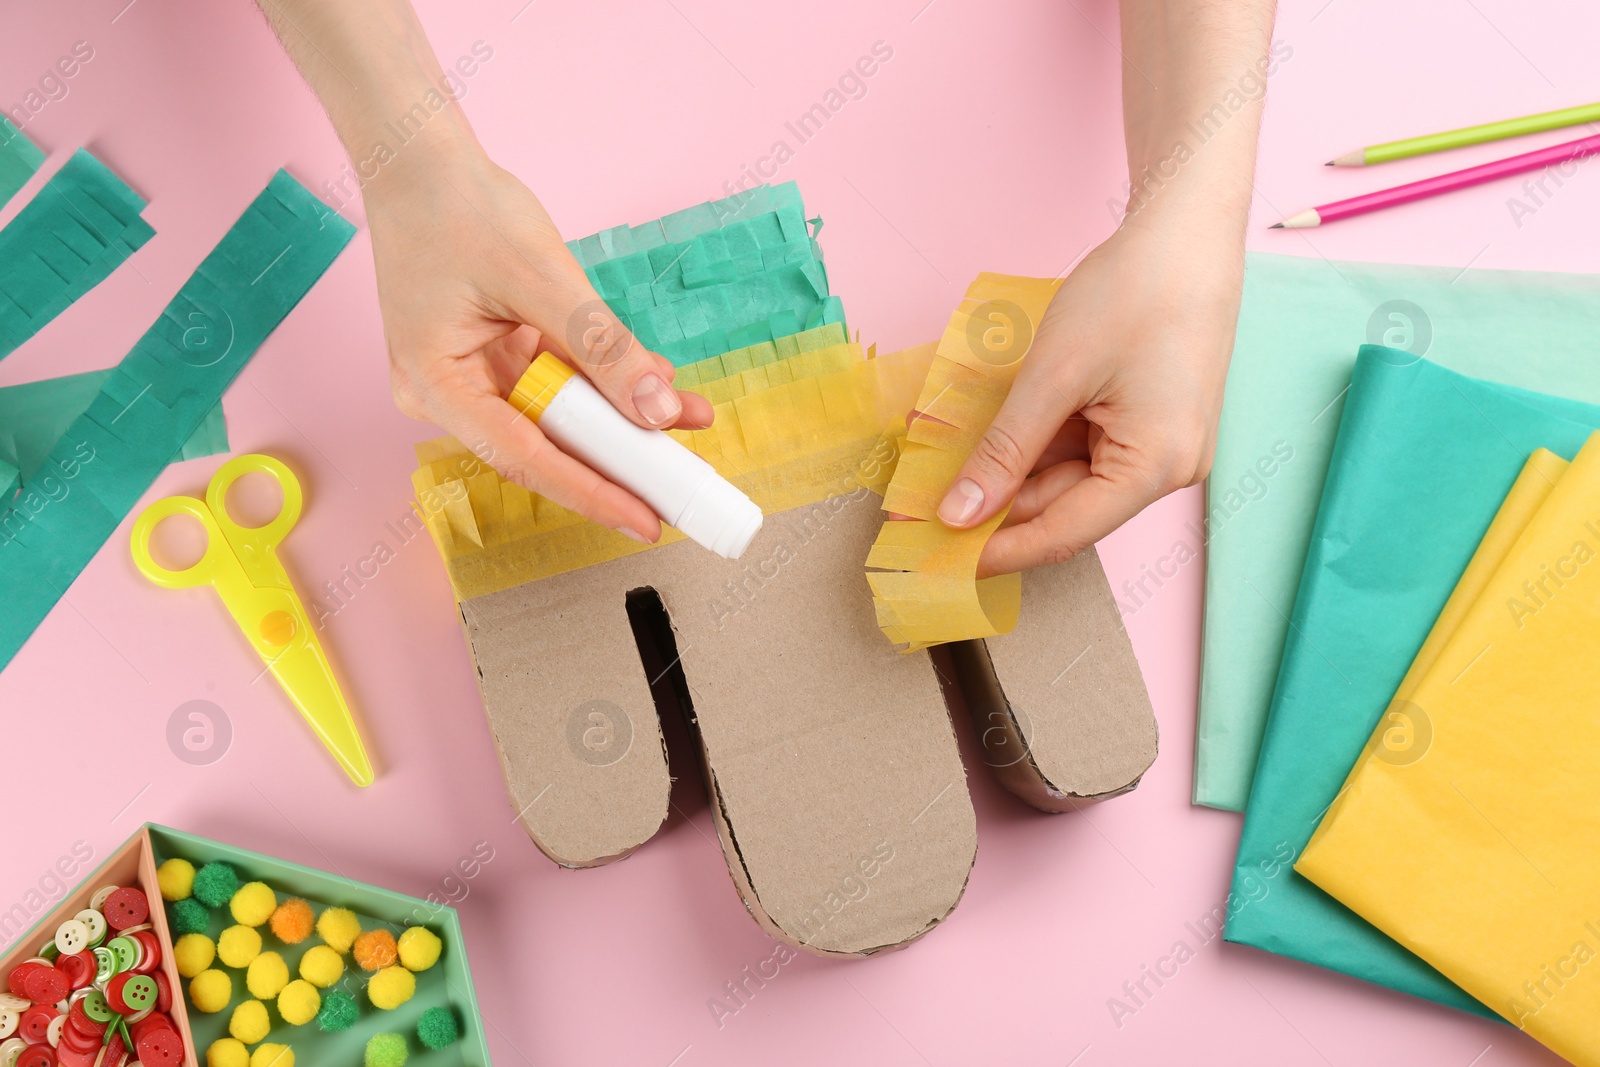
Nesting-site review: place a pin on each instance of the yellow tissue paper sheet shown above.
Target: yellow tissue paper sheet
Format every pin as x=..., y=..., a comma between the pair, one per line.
x=1474, y=845
x=827, y=426
x=923, y=574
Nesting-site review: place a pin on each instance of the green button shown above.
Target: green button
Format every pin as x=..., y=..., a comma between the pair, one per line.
x=126, y=952
x=96, y=1008
x=139, y=993
x=105, y=965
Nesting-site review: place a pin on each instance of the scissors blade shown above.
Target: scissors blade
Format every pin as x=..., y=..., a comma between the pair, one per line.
x=303, y=670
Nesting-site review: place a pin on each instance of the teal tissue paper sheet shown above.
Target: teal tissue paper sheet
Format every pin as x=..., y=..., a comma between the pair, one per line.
x=1299, y=327
x=1422, y=460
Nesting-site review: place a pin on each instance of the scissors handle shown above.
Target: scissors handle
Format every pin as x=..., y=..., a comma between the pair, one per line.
x=256, y=546
x=203, y=571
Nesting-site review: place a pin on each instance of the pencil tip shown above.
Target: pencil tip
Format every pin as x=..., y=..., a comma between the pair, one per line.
x=1276, y=226
x=1330, y=163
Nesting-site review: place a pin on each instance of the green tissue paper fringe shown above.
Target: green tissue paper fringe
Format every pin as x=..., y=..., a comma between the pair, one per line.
x=728, y=274
x=79, y=228
x=161, y=393
x=19, y=159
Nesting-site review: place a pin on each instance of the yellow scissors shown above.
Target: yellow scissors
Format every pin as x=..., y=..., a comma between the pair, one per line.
x=242, y=563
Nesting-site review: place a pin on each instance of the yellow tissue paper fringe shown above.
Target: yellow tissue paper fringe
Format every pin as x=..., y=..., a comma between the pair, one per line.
x=924, y=578
x=829, y=424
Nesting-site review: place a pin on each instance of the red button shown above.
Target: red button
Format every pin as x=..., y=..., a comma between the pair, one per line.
x=19, y=975
x=116, y=1052
x=163, y=992
x=37, y=1056
x=154, y=1021
x=78, y=1021
x=34, y=1026
x=44, y=985
x=73, y=1038
x=159, y=1047
x=152, y=951
x=126, y=907
x=72, y=1057
x=78, y=969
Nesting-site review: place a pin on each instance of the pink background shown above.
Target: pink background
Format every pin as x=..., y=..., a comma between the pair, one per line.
x=990, y=141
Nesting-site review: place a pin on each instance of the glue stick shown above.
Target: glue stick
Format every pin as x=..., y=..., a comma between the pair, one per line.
x=682, y=488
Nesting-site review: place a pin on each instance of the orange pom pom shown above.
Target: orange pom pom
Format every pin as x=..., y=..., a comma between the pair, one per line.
x=292, y=921
x=375, y=950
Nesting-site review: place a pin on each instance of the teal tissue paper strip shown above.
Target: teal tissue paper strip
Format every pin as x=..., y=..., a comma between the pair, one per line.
x=1299, y=327
x=1423, y=458
x=714, y=277
x=19, y=159
x=159, y=395
x=33, y=417
x=79, y=228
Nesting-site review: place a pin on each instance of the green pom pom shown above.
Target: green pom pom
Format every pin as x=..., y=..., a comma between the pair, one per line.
x=339, y=1012
x=215, y=884
x=386, y=1050
x=189, y=916
x=437, y=1028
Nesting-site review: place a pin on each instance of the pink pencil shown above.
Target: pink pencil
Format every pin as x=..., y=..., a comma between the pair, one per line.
x=1460, y=179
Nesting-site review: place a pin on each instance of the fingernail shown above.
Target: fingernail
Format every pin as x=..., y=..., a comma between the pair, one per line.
x=656, y=401
x=635, y=534
x=961, y=503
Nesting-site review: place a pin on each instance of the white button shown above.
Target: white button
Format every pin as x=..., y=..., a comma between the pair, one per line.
x=72, y=937
x=12, y=1002
x=53, y=1035
x=98, y=902
x=9, y=1018
x=95, y=921
x=11, y=1051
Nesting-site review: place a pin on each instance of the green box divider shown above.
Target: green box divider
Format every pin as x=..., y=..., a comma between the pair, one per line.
x=447, y=984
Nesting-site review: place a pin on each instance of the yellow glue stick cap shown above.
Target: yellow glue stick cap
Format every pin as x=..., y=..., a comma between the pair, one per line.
x=539, y=384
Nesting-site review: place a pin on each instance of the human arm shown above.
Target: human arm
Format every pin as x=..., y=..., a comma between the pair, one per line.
x=1118, y=400
x=473, y=277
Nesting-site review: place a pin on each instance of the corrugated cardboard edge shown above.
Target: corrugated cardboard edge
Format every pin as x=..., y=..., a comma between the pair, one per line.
x=578, y=805
x=914, y=803
x=837, y=786
x=1059, y=704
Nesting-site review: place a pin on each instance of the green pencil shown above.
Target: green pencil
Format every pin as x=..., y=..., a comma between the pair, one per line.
x=1490, y=131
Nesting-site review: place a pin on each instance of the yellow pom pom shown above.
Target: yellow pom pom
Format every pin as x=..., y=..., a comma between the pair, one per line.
x=299, y=1003
x=321, y=966
x=391, y=987
x=227, y=1052
x=339, y=927
x=267, y=976
x=193, y=953
x=237, y=946
x=176, y=879
x=250, y=1022
x=419, y=948
x=211, y=991
x=253, y=904
x=270, y=1055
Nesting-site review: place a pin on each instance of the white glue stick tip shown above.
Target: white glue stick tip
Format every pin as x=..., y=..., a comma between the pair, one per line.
x=720, y=517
